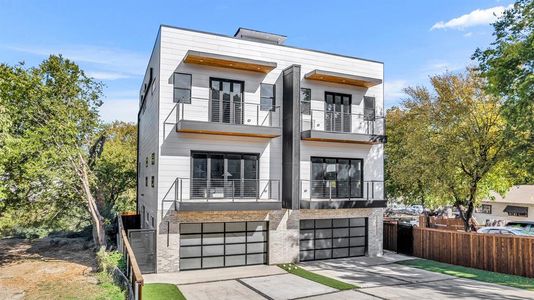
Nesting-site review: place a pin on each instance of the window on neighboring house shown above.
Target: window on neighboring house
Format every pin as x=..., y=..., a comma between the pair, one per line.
x=369, y=111
x=182, y=88
x=516, y=211
x=267, y=94
x=152, y=181
x=146, y=161
x=153, y=158
x=146, y=181
x=147, y=218
x=484, y=209
x=153, y=222
x=305, y=101
x=143, y=215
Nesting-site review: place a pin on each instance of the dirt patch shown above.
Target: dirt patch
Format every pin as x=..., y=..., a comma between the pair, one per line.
x=49, y=268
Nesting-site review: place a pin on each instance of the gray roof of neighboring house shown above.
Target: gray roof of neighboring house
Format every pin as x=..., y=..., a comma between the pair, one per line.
x=523, y=194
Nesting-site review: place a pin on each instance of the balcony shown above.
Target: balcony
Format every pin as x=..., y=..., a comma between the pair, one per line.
x=331, y=126
x=221, y=117
x=329, y=194
x=201, y=194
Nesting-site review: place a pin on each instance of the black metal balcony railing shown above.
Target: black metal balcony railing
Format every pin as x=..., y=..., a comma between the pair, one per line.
x=226, y=112
x=221, y=190
x=332, y=190
x=338, y=122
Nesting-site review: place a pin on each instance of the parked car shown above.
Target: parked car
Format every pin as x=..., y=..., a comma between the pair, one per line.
x=503, y=230
x=527, y=226
x=417, y=209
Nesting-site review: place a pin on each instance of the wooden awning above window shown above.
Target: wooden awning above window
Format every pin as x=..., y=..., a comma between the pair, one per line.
x=341, y=78
x=226, y=61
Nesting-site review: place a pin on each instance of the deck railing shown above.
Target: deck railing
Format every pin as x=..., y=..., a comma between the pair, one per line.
x=338, y=122
x=335, y=190
x=133, y=273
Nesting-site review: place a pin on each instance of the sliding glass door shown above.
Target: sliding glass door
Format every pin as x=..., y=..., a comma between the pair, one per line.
x=224, y=175
x=336, y=177
x=337, y=112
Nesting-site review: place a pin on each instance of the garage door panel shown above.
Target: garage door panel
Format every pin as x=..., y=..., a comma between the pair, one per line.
x=332, y=238
x=213, y=238
x=236, y=249
x=256, y=248
x=215, y=245
x=236, y=237
x=235, y=260
x=191, y=251
x=340, y=252
x=213, y=262
x=190, y=240
x=190, y=263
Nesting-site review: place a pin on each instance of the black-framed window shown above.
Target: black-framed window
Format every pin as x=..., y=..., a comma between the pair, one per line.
x=305, y=101
x=146, y=181
x=152, y=181
x=338, y=108
x=226, y=104
x=153, y=158
x=484, y=209
x=369, y=110
x=146, y=162
x=336, y=177
x=182, y=88
x=224, y=175
x=268, y=98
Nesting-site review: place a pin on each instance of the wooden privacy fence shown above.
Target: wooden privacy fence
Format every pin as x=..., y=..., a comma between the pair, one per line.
x=133, y=273
x=497, y=253
x=390, y=236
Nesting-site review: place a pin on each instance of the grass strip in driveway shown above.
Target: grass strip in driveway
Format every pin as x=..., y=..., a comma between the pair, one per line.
x=471, y=273
x=331, y=282
x=161, y=291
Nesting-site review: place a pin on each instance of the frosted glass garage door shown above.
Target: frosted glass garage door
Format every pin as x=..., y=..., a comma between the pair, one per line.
x=217, y=245
x=332, y=238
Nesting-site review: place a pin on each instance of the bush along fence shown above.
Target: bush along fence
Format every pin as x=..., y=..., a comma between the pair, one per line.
x=133, y=273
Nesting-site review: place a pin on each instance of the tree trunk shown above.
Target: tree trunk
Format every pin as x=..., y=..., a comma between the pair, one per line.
x=99, y=233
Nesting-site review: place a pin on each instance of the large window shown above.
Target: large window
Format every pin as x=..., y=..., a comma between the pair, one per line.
x=226, y=104
x=336, y=177
x=337, y=112
x=305, y=101
x=267, y=94
x=224, y=175
x=182, y=88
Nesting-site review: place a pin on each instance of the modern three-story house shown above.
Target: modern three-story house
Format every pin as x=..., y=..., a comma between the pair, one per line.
x=251, y=151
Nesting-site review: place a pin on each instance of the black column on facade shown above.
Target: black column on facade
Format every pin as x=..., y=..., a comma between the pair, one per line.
x=291, y=138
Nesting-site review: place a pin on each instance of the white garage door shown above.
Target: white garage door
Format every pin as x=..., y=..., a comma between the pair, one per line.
x=332, y=238
x=216, y=245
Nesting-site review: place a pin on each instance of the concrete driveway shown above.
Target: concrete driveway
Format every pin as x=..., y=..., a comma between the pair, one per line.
x=379, y=278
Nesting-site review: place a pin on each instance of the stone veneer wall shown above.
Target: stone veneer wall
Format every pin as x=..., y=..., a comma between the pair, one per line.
x=283, y=231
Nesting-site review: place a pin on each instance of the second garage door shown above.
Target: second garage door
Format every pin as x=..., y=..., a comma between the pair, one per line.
x=216, y=245
x=332, y=238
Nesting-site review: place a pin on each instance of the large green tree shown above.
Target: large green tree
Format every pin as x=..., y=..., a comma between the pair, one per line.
x=53, y=148
x=508, y=66
x=448, y=145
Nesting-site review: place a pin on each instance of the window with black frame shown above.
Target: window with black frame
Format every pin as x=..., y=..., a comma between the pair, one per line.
x=182, y=88
x=267, y=95
x=369, y=111
x=336, y=178
x=224, y=175
x=305, y=101
x=226, y=101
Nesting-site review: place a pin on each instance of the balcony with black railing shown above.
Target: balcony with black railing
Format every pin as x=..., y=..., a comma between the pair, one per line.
x=337, y=126
x=226, y=117
x=192, y=194
x=341, y=194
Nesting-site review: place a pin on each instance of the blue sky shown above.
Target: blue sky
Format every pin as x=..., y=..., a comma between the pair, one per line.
x=112, y=40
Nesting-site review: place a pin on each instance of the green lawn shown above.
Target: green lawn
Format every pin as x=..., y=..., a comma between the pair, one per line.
x=470, y=273
x=161, y=291
x=333, y=283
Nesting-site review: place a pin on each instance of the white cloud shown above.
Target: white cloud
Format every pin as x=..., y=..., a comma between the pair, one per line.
x=122, y=109
x=393, y=91
x=113, y=63
x=474, y=18
x=103, y=75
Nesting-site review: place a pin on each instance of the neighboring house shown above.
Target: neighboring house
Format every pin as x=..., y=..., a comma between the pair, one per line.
x=516, y=205
x=254, y=152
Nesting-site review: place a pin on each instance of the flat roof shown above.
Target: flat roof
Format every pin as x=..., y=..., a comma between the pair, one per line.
x=283, y=45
